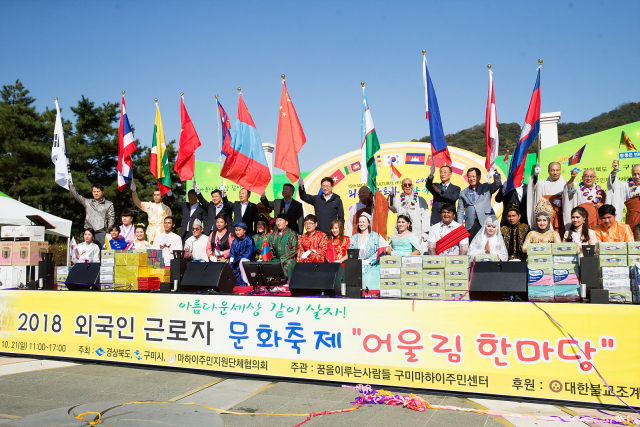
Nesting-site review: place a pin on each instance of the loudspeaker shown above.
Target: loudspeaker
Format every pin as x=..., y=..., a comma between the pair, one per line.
x=86, y=274
x=499, y=281
x=177, y=267
x=589, y=272
x=46, y=271
x=208, y=275
x=353, y=273
x=599, y=296
x=166, y=287
x=316, y=278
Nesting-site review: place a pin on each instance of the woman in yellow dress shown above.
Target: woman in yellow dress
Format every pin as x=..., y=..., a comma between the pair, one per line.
x=542, y=231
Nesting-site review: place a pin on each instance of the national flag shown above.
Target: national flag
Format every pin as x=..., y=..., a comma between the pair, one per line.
x=355, y=166
x=159, y=163
x=337, y=176
x=456, y=167
x=626, y=142
x=491, y=129
x=246, y=164
x=415, y=158
x=59, y=156
x=382, y=245
x=528, y=135
x=290, y=137
x=369, y=147
x=575, y=159
x=379, y=161
x=189, y=143
x=396, y=158
x=126, y=147
x=506, y=157
x=438, y=144
x=395, y=173
x=73, y=249
x=265, y=251
x=225, y=129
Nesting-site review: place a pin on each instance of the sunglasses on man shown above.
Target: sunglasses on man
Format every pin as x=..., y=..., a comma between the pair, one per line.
x=196, y=229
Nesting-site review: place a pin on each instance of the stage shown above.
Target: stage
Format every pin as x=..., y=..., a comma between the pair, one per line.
x=494, y=348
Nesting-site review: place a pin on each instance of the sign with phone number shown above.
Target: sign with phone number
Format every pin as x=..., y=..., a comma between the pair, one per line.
x=481, y=347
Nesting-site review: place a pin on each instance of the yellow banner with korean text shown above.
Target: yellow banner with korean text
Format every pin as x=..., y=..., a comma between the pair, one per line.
x=479, y=347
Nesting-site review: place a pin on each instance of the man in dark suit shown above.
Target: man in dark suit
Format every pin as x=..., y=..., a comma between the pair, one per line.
x=246, y=211
x=190, y=212
x=219, y=205
x=443, y=193
x=291, y=208
x=474, y=205
x=518, y=197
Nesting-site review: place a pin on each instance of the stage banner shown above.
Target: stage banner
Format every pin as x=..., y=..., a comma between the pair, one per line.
x=494, y=348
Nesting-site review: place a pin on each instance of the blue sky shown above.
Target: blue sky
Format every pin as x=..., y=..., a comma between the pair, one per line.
x=161, y=48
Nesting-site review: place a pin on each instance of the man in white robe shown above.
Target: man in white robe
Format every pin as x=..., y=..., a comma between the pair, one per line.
x=415, y=207
x=551, y=189
x=586, y=194
x=621, y=194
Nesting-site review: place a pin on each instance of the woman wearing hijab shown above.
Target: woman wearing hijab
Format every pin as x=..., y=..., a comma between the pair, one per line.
x=489, y=240
x=367, y=242
x=542, y=231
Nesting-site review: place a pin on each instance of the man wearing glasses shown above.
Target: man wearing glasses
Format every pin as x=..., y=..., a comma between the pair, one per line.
x=415, y=207
x=195, y=247
x=328, y=206
x=589, y=195
x=443, y=193
x=312, y=245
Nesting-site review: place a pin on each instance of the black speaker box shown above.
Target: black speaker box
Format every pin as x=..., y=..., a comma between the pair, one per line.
x=166, y=287
x=316, y=278
x=86, y=274
x=208, y=275
x=589, y=273
x=177, y=267
x=599, y=296
x=499, y=281
x=353, y=273
x=46, y=270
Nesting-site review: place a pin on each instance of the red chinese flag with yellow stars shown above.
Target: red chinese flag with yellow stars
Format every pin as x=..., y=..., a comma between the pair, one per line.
x=290, y=137
x=189, y=142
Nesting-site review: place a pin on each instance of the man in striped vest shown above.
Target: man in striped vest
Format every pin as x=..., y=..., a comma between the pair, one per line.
x=448, y=237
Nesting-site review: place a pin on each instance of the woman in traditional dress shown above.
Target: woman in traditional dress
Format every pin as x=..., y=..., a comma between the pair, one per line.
x=114, y=240
x=489, y=240
x=338, y=243
x=404, y=242
x=580, y=232
x=242, y=249
x=87, y=251
x=367, y=242
x=263, y=228
x=219, y=243
x=543, y=232
x=139, y=241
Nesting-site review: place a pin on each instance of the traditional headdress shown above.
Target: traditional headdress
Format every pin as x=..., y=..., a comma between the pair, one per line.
x=240, y=225
x=197, y=223
x=368, y=216
x=513, y=207
x=543, y=207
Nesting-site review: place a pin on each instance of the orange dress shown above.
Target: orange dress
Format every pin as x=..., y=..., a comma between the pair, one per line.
x=616, y=233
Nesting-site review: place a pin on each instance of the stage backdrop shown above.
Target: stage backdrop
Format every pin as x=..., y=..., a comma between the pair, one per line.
x=497, y=348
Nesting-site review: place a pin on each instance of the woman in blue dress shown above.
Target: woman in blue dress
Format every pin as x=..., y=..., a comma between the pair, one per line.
x=404, y=242
x=242, y=249
x=367, y=242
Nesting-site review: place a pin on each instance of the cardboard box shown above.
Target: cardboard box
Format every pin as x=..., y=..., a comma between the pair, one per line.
x=411, y=273
x=6, y=277
x=432, y=274
x=28, y=253
x=390, y=293
x=34, y=233
x=615, y=272
x=390, y=261
x=633, y=259
x=456, y=295
x=456, y=285
x=616, y=284
x=457, y=261
x=107, y=269
x=433, y=261
x=539, y=249
x=456, y=273
x=567, y=293
x=565, y=259
x=541, y=293
x=613, y=260
x=633, y=248
x=546, y=268
x=106, y=278
x=108, y=262
x=566, y=248
x=19, y=276
x=390, y=284
x=565, y=277
x=612, y=248
x=6, y=250
x=540, y=259
x=433, y=286
x=573, y=268
x=433, y=294
x=487, y=258
x=107, y=253
x=7, y=232
x=390, y=273
x=408, y=284
x=538, y=277
x=412, y=294
x=620, y=296
x=412, y=261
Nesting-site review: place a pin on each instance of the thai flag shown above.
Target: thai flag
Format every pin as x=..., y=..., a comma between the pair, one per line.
x=438, y=144
x=126, y=147
x=265, y=252
x=575, y=159
x=528, y=135
x=225, y=129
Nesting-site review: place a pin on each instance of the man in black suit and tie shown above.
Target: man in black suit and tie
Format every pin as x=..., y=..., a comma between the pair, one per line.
x=219, y=205
x=291, y=208
x=190, y=212
x=246, y=211
x=443, y=193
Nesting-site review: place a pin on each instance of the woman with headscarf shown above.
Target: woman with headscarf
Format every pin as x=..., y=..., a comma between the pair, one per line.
x=542, y=231
x=367, y=242
x=489, y=240
x=263, y=229
x=404, y=242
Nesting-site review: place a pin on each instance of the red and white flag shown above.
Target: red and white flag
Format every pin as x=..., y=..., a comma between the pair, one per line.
x=395, y=173
x=126, y=147
x=491, y=129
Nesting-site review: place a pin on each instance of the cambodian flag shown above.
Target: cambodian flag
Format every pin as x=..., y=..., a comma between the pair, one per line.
x=439, y=147
x=575, y=159
x=225, y=128
x=528, y=135
x=246, y=163
x=265, y=252
x=126, y=147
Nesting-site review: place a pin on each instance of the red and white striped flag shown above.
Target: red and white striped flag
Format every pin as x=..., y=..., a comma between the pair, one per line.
x=395, y=173
x=491, y=129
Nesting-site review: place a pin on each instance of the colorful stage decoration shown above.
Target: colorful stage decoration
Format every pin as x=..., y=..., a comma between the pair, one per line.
x=462, y=346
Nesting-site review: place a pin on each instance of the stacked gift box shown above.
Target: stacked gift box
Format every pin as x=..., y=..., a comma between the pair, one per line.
x=141, y=269
x=553, y=272
x=107, y=270
x=433, y=268
x=390, y=283
x=456, y=277
x=20, y=252
x=62, y=272
x=411, y=277
x=614, y=270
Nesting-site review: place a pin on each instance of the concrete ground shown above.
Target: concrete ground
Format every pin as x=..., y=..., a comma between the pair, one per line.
x=30, y=387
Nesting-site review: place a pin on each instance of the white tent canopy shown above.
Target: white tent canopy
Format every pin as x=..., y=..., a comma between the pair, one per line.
x=12, y=212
